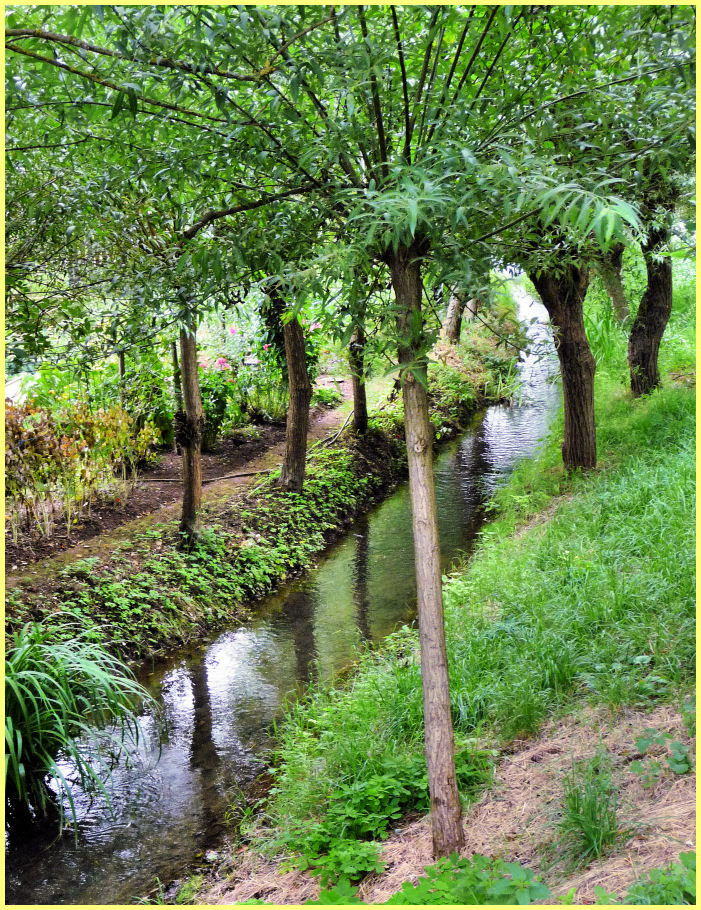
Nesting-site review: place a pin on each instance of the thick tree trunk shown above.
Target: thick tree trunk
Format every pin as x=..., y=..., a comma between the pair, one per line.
x=295, y=462
x=652, y=316
x=610, y=271
x=563, y=297
x=356, y=357
x=453, y=319
x=189, y=426
x=446, y=811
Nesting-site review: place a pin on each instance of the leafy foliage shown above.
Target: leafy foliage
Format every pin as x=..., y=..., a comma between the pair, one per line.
x=59, y=688
x=55, y=461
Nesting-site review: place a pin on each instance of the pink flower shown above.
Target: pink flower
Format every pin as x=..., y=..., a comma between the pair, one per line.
x=204, y=363
x=233, y=331
x=314, y=325
x=223, y=364
x=266, y=346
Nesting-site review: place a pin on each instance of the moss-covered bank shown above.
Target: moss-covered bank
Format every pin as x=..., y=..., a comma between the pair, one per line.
x=148, y=597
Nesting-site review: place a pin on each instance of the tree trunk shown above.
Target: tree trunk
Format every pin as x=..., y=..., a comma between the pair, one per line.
x=652, y=316
x=446, y=811
x=356, y=357
x=295, y=462
x=453, y=319
x=563, y=297
x=189, y=426
x=122, y=371
x=610, y=271
x=177, y=387
x=472, y=307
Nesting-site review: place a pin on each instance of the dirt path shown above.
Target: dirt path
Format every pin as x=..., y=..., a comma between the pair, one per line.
x=156, y=500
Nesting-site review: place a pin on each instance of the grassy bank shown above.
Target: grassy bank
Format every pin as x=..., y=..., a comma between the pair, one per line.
x=148, y=596
x=582, y=591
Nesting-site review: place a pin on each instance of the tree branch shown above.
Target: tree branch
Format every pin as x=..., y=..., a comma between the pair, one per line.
x=112, y=85
x=377, y=108
x=211, y=216
x=405, y=88
x=161, y=62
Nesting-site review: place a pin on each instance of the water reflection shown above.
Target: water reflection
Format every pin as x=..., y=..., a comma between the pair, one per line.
x=220, y=702
x=361, y=592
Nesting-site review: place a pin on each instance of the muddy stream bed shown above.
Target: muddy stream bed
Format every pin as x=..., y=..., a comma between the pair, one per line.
x=169, y=806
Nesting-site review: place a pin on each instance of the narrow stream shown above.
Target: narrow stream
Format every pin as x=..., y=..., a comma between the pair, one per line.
x=219, y=701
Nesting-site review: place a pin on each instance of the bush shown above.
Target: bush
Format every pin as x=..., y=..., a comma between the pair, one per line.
x=217, y=391
x=57, y=693
x=55, y=461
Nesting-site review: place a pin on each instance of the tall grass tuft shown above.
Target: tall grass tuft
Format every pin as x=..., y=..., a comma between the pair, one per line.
x=589, y=821
x=58, y=694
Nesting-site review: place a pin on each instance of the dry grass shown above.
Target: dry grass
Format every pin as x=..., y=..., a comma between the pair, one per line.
x=517, y=819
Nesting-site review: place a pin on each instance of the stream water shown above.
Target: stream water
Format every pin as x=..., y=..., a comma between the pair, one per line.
x=219, y=700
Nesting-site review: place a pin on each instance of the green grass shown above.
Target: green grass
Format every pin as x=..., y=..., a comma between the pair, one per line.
x=595, y=604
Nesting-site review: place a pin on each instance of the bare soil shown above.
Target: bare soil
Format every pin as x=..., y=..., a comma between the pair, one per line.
x=160, y=485
x=517, y=820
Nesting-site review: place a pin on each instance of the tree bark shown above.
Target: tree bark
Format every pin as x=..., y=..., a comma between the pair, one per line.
x=453, y=319
x=122, y=371
x=610, y=271
x=189, y=426
x=446, y=811
x=177, y=385
x=563, y=297
x=356, y=356
x=472, y=307
x=295, y=461
x=652, y=316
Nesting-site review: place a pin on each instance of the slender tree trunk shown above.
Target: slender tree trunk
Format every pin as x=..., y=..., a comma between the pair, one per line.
x=472, y=308
x=122, y=371
x=610, y=270
x=652, y=316
x=295, y=462
x=446, y=811
x=563, y=297
x=453, y=319
x=177, y=387
x=189, y=426
x=356, y=356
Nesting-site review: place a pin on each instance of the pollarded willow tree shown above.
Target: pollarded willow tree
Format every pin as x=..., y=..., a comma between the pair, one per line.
x=421, y=129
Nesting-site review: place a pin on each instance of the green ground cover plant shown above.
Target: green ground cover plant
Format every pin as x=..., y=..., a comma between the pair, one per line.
x=673, y=885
